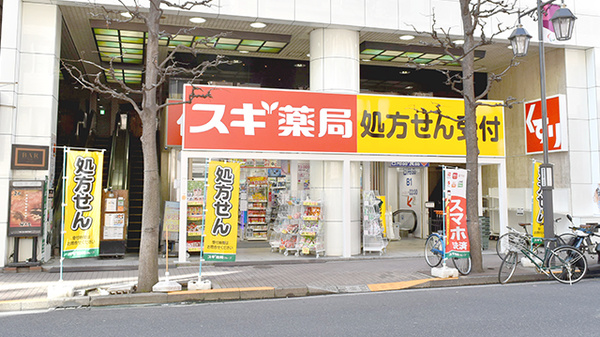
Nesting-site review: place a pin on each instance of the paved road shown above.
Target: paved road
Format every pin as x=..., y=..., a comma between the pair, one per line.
x=524, y=309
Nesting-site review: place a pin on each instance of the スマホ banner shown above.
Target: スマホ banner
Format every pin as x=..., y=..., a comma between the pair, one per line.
x=455, y=200
x=83, y=202
x=222, y=204
x=538, y=211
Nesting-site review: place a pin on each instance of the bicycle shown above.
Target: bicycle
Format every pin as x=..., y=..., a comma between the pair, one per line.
x=566, y=264
x=581, y=238
x=505, y=239
x=434, y=254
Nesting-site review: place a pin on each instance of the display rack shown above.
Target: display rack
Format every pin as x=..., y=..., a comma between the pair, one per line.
x=258, y=190
x=373, y=239
x=286, y=228
x=311, y=240
x=195, y=215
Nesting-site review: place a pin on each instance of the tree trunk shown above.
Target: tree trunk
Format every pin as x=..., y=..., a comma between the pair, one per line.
x=148, y=260
x=472, y=148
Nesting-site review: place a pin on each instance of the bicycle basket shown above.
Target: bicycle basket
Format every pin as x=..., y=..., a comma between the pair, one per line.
x=516, y=243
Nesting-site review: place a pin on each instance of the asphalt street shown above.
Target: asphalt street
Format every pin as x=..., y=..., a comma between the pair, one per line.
x=520, y=309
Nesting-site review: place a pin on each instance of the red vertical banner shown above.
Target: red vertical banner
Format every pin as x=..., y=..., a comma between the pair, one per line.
x=455, y=209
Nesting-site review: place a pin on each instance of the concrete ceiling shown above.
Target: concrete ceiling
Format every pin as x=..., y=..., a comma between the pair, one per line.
x=78, y=40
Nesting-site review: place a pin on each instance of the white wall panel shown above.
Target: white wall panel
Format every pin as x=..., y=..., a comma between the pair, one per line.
x=415, y=13
x=38, y=74
x=246, y=8
x=34, y=118
x=378, y=14
x=39, y=24
x=348, y=12
x=580, y=138
x=580, y=168
x=575, y=63
x=582, y=198
x=313, y=11
x=276, y=9
x=577, y=103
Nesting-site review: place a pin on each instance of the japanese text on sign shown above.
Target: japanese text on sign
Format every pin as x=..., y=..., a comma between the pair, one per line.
x=85, y=173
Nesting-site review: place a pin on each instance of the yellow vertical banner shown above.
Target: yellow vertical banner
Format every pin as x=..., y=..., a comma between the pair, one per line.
x=222, y=204
x=83, y=202
x=538, y=201
x=382, y=215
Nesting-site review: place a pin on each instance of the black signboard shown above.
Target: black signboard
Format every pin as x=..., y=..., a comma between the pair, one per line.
x=29, y=157
x=26, y=208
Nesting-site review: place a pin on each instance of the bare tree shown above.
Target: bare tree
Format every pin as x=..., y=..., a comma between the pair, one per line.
x=475, y=16
x=156, y=73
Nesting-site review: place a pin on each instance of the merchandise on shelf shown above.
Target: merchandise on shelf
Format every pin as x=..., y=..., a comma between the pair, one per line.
x=373, y=238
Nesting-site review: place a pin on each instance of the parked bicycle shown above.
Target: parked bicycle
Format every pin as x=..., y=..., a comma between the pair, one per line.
x=434, y=254
x=565, y=264
x=581, y=238
x=503, y=243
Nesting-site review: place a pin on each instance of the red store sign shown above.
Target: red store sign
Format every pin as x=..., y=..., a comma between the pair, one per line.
x=296, y=120
x=557, y=125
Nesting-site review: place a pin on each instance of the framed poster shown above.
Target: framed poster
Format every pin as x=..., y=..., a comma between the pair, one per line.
x=26, y=211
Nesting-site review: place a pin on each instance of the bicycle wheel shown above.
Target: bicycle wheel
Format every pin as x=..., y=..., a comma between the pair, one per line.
x=463, y=265
x=504, y=242
x=566, y=264
x=507, y=267
x=433, y=250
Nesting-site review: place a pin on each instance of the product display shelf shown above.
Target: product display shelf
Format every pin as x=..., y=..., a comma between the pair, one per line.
x=195, y=216
x=288, y=223
x=257, y=189
x=311, y=240
x=373, y=240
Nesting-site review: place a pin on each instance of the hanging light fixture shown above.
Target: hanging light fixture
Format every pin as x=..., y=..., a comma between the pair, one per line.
x=519, y=40
x=563, y=22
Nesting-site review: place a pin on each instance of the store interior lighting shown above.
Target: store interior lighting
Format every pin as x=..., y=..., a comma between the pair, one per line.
x=388, y=52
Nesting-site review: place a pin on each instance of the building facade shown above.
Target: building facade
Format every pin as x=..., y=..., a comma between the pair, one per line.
x=338, y=42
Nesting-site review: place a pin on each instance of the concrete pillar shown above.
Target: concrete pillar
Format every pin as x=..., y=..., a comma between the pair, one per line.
x=29, y=63
x=335, y=68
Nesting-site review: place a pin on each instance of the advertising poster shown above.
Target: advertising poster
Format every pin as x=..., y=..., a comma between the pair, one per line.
x=26, y=211
x=83, y=202
x=538, y=211
x=222, y=211
x=455, y=199
x=171, y=220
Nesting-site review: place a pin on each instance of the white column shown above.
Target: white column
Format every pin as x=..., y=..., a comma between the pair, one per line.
x=502, y=197
x=335, y=68
x=29, y=56
x=294, y=175
x=183, y=182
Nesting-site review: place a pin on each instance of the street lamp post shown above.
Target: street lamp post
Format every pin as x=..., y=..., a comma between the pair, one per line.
x=562, y=21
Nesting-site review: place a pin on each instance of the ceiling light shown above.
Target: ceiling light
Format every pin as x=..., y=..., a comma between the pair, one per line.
x=509, y=47
x=459, y=42
x=126, y=14
x=404, y=72
x=406, y=37
x=408, y=87
x=197, y=20
x=299, y=65
x=257, y=25
x=307, y=55
x=244, y=52
x=366, y=60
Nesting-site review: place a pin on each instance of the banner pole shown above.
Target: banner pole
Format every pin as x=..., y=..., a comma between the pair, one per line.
x=62, y=221
x=207, y=161
x=444, y=214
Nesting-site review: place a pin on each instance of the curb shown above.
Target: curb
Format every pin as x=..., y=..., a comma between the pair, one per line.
x=251, y=293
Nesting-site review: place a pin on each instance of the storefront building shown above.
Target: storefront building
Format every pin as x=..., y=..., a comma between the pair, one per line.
x=345, y=150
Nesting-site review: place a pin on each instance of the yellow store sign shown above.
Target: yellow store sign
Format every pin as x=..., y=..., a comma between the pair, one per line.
x=398, y=125
x=222, y=211
x=83, y=196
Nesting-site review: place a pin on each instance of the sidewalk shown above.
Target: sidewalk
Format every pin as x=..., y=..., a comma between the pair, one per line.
x=293, y=276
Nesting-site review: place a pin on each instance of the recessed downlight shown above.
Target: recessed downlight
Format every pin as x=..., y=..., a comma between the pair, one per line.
x=406, y=37
x=126, y=15
x=197, y=20
x=258, y=25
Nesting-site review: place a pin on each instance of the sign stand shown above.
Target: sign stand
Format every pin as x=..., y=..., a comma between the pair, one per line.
x=166, y=285
x=206, y=284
